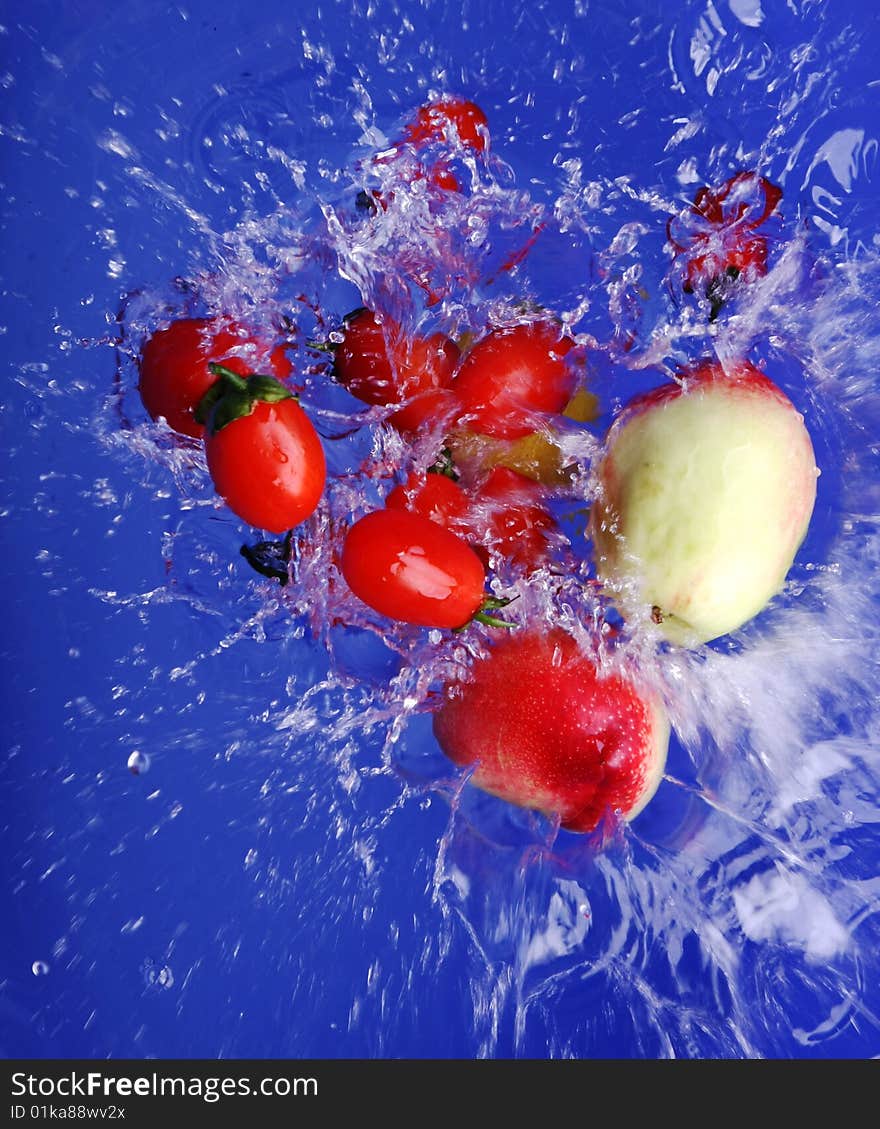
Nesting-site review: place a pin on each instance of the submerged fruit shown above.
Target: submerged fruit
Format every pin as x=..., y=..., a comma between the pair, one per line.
x=174, y=366
x=513, y=377
x=536, y=455
x=379, y=364
x=547, y=729
x=706, y=490
x=447, y=119
x=715, y=240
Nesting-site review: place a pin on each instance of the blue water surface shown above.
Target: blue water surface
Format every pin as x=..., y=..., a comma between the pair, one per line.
x=294, y=872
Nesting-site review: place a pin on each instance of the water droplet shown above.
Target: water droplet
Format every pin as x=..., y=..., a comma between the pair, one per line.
x=138, y=763
x=40, y=968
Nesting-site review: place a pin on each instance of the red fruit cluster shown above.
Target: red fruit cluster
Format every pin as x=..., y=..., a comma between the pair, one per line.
x=506, y=384
x=576, y=742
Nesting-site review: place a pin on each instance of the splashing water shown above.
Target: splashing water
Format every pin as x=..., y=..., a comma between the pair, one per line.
x=301, y=872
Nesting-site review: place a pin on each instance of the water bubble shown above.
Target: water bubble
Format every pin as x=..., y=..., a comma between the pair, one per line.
x=40, y=968
x=157, y=977
x=138, y=763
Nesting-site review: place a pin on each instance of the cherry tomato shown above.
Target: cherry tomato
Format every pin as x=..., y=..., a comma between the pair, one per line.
x=434, y=496
x=174, y=373
x=716, y=238
x=723, y=262
x=509, y=518
x=441, y=121
x=513, y=375
x=719, y=208
x=427, y=409
x=438, y=176
x=408, y=568
x=268, y=465
x=537, y=455
x=547, y=729
x=379, y=365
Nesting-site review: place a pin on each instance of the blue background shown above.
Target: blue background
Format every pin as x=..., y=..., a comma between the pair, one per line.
x=265, y=890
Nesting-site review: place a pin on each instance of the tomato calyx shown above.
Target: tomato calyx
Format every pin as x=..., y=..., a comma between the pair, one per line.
x=366, y=202
x=233, y=397
x=271, y=558
x=719, y=290
x=444, y=465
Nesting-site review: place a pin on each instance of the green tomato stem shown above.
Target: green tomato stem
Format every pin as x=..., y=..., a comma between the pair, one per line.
x=444, y=465
x=492, y=621
x=234, y=396
x=232, y=379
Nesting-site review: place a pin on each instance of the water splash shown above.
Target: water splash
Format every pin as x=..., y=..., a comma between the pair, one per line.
x=737, y=916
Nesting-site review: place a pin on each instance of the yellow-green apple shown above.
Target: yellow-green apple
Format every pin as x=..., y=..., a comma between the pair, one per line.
x=549, y=729
x=704, y=494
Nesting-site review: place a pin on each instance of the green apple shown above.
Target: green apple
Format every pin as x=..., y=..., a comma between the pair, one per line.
x=704, y=493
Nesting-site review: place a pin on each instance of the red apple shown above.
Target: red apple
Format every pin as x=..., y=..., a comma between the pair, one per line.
x=547, y=729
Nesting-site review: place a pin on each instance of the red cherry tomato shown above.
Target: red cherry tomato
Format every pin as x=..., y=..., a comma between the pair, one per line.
x=716, y=238
x=379, y=365
x=546, y=729
x=174, y=363
x=441, y=176
x=746, y=258
x=434, y=496
x=717, y=206
x=268, y=466
x=408, y=568
x=509, y=518
x=442, y=120
x=438, y=176
x=439, y=123
x=427, y=409
x=512, y=375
